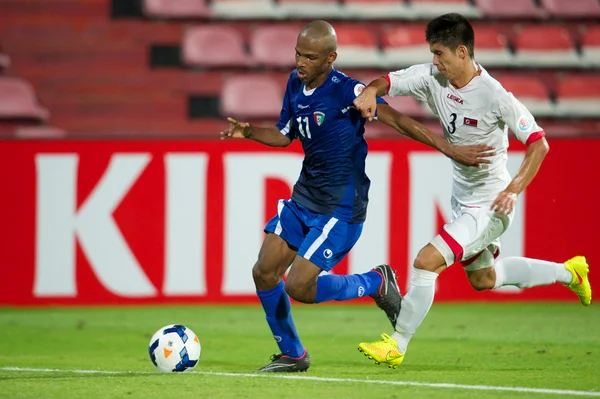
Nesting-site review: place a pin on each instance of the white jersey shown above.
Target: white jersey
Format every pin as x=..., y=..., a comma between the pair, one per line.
x=479, y=113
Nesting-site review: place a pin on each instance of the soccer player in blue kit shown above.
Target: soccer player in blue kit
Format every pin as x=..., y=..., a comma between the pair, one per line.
x=322, y=221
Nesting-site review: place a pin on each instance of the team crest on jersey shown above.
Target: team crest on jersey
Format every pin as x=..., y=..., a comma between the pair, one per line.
x=319, y=117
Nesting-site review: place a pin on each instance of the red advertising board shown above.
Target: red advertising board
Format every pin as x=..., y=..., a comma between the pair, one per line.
x=111, y=222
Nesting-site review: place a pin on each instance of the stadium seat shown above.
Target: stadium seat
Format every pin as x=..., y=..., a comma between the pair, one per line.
x=425, y=9
x=407, y=105
x=491, y=47
x=213, y=46
x=273, y=45
x=378, y=9
x=530, y=91
x=42, y=131
x=570, y=128
x=18, y=101
x=579, y=95
x=175, y=8
x=297, y=9
x=357, y=47
x=590, y=46
x=245, y=9
x=510, y=9
x=572, y=8
x=545, y=46
x=4, y=62
x=251, y=97
x=404, y=46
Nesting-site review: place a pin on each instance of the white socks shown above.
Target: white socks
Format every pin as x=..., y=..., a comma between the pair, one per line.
x=415, y=306
x=522, y=272
x=526, y=272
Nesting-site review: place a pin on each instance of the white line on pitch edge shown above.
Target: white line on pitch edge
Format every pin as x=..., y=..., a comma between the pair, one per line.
x=329, y=379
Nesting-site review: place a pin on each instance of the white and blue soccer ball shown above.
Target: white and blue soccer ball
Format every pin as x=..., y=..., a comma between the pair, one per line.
x=174, y=348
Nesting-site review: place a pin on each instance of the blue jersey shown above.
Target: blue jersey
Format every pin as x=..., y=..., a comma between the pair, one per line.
x=333, y=179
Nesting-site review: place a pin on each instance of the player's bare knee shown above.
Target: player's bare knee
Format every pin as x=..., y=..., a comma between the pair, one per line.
x=481, y=282
x=265, y=277
x=423, y=262
x=298, y=291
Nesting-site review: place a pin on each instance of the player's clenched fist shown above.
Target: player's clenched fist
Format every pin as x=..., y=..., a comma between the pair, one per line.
x=366, y=103
x=236, y=130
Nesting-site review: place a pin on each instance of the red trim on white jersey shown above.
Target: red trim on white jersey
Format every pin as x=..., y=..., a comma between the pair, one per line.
x=471, y=260
x=387, y=77
x=535, y=136
x=474, y=258
x=455, y=247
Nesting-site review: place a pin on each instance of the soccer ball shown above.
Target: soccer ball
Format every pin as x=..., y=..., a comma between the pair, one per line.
x=174, y=348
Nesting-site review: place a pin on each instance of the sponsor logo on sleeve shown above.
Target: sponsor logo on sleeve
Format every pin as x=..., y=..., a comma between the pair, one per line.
x=524, y=124
x=358, y=89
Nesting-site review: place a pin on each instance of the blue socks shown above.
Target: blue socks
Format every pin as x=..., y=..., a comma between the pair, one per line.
x=340, y=288
x=276, y=304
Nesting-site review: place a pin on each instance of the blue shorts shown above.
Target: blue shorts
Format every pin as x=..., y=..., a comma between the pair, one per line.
x=322, y=239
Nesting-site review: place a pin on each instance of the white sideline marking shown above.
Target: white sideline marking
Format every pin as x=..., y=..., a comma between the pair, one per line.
x=327, y=379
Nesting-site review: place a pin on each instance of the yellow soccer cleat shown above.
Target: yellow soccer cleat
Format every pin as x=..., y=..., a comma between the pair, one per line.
x=384, y=351
x=580, y=284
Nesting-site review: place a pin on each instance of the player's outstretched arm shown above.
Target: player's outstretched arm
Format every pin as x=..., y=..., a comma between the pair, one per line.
x=469, y=155
x=506, y=200
x=270, y=136
x=366, y=102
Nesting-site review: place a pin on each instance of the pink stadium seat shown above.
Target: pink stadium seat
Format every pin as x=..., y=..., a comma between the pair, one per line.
x=18, y=101
x=406, y=105
x=570, y=129
x=245, y=9
x=4, y=61
x=251, y=97
x=311, y=9
x=433, y=8
x=43, y=131
x=175, y=8
x=590, y=46
x=404, y=46
x=357, y=47
x=530, y=91
x=572, y=8
x=273, y=45
x=579, y=95
x=213, y=46
x=491, y=47
x=377, y=9
x=509, y=9
x=545, y=46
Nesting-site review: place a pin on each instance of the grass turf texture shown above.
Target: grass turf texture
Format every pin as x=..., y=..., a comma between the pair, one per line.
x=551, y=346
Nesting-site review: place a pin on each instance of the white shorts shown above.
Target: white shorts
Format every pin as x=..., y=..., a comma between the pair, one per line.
x=472, y=238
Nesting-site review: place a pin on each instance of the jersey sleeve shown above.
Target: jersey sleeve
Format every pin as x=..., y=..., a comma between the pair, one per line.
x=412, y=81
x=285, y=124
x=518, y=118
x=351, y=91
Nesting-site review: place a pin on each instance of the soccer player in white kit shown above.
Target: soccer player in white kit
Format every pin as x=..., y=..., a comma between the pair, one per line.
x=473, y=108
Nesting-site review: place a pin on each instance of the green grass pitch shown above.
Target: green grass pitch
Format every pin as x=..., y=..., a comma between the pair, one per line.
x=461, y=351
